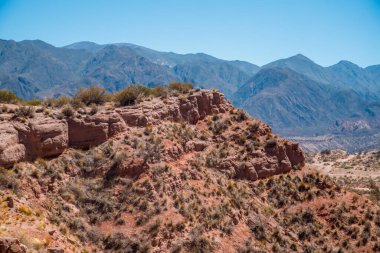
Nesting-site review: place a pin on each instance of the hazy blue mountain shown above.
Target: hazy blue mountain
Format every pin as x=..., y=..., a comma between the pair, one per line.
x=201, y=69
x=293, y=104
x=344, y=74
x=31, y=67
x=37, y=69
x=113, y=67
x=304, y=65
x=296, y=96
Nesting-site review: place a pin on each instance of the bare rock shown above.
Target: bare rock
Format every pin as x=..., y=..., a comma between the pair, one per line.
x=10, y=202
x=246, y=171
x=55, y=250
x=150, y=112
x=11, y=150
x=196, y=145
x=132, y=167
x=94, y=130
x=200, y=104
x=44, y=137
x=295, y=154
x=11, y=245
x=84, y=133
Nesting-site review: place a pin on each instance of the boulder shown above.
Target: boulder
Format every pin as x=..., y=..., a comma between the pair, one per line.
x=11, y=245
x=43, y=137
x=11, y=150
x=295, y=154
x=195, y=146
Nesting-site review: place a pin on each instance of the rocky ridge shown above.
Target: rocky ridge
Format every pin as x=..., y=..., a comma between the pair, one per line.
x=182, y=173
x=47, y=137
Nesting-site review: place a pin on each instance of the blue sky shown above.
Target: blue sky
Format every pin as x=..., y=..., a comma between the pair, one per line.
x=256, y=31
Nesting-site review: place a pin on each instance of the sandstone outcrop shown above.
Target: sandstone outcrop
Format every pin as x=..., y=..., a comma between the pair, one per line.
x=199, y=105
x=94, y=130
x=47, y=137
x=11, y=150
x=44, y=137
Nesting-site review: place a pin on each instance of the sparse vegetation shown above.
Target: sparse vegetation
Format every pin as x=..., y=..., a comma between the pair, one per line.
x=8, y=97
x=25, y=112
x=130, y=94
x=67, y=111
x=180, y=87
x=92, y=95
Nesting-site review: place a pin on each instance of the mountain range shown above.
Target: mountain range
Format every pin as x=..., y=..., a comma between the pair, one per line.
x=296, y=96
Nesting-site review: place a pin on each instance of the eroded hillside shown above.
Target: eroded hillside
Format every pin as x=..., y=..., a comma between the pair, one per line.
x=184, y=172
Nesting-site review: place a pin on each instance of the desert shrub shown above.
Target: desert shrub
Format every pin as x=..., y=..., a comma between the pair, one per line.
x=92, y=95
x=33, y=102
x=130, y=94
x=219, y=126
x=160, y=91
x=8, y=97
x=271, y=143
x=25, y=112
x=68, y=111
x=240, y=115
x=8, y=180
x=116, y=242
x=257, y=229
x=326, y=152
x=61, y=101
x=199, y=243
x=180, y=87
x=254, y=127
x=25, y=210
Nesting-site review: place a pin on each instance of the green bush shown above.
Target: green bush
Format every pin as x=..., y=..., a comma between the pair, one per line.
x=8, y=97
x=92, y=95
x=181, y=87
x=129, y=95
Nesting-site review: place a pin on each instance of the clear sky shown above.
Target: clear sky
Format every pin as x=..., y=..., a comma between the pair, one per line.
x=256, y=31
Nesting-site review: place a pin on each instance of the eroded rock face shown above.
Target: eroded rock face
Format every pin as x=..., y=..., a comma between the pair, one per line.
x=150, y=112
x=94, y=130
x=11, y=150
x=197, y=106
x=278, y=159
x=47, y=137
x=11, y=245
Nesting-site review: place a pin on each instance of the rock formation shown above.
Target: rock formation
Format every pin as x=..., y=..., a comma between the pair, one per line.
x=47, y=137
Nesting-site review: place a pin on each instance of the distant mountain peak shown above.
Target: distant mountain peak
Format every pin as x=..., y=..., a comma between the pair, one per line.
x=300, y=56
x=346, y=63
